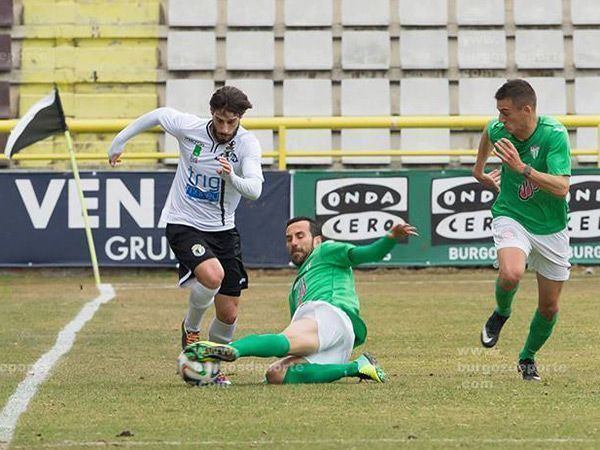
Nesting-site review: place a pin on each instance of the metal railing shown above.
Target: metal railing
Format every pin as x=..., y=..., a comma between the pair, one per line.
x=282, y=124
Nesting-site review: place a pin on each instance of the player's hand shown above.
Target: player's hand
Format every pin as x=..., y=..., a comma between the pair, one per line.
x=401, y=230
x=225, y=168
x=114, y=159
x=509, y=155
x=490, y=180
x=114, y=154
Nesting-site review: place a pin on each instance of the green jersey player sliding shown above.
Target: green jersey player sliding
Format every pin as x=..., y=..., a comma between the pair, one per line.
x=326, y=324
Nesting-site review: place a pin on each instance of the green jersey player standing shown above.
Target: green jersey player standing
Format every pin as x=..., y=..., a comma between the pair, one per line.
x=530, y=213
x=326, y=324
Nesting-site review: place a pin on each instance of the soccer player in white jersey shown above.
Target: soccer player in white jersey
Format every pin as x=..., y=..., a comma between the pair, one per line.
x=219, y=162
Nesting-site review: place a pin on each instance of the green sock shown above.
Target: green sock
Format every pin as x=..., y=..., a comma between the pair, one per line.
x=319, y=373
x=539, y=331
x=262, y=345
x=504, y=299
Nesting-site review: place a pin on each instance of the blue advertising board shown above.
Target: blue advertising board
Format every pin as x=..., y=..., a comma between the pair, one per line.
x=41, y=222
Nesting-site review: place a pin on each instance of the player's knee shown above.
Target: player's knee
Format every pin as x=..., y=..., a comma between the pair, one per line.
x=548, y=312
x=275, y=374
x=212, y=279
x=509, y=278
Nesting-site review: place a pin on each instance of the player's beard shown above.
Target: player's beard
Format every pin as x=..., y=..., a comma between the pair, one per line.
x=303, y=255
x=221, y=137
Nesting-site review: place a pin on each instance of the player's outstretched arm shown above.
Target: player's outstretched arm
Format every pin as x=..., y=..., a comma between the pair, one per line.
x=141, y=124
x=377, y=250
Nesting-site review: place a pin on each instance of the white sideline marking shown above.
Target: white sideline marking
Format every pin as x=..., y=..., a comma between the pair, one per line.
x=128, y=443
x=18, y=402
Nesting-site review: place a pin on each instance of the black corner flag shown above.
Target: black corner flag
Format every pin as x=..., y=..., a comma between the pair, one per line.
x=43, y=119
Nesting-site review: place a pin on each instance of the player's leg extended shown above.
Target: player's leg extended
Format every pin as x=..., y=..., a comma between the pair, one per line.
x=512, y=262
x=296, y=370
x=299, y=338
x=325, y=358
x=544, y=318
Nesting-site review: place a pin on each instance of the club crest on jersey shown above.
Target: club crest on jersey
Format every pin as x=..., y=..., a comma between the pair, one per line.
x=527, y=189
x=198, y=250
x=230, y=152
x=300, y=288
x=534, y=149
x=196, y=153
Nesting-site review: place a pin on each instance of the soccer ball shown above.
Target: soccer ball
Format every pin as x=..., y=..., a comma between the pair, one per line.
x=197, y=373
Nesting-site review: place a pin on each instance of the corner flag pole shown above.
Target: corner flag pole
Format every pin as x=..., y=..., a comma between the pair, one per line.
x=86, y=220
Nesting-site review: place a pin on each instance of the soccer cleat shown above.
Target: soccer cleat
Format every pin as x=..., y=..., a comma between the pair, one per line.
x=188, y=337
x=528, y=370
x=368, y=368
x=490, y=332
x=206, y=350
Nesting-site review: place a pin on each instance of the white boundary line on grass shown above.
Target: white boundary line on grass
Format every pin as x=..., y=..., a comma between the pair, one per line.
x=19, y=400
x=279, y=442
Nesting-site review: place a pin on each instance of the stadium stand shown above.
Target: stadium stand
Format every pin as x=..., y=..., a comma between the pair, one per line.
x=103, y=59
x=306, y=58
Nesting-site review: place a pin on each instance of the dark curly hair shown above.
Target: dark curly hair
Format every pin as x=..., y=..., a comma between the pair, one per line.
x=231, y=99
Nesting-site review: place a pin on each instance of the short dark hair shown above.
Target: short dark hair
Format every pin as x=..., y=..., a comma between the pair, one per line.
x=230, y=98
x=519, y=91
x=314, y=227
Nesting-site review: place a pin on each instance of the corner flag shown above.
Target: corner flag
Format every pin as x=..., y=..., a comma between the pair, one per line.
x=43, y=119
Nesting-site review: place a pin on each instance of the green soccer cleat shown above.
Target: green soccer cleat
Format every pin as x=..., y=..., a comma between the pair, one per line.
x=368, y=368
x=206, y=351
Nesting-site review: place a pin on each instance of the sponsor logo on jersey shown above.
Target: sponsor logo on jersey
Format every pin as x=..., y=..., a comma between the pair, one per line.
x=196, y=153
x=198, y=250
x=202, y=187
x=534, y=149
x=193, y=141
x=527, y=189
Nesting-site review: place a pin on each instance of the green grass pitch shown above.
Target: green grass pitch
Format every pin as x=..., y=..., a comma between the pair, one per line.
x=117, y=386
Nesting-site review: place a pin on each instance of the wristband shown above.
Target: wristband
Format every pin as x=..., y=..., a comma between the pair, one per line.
x=527, y=171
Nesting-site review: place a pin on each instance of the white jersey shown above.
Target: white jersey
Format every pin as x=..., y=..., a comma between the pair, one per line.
x=199, y=197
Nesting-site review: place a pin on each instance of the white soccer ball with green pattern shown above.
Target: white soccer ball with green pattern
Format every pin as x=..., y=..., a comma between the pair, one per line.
x=197, y=373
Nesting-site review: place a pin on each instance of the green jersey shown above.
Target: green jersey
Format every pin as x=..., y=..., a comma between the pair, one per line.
x=326, y=275
x=546, y=150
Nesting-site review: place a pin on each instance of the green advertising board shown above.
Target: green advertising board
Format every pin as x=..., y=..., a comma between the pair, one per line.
x=449, y=207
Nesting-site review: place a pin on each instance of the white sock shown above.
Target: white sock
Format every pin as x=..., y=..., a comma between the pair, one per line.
x=201, y=298
x=221, y=332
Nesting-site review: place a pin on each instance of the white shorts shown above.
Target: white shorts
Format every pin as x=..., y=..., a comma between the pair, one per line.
x=547, y=254
x=336, y=335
